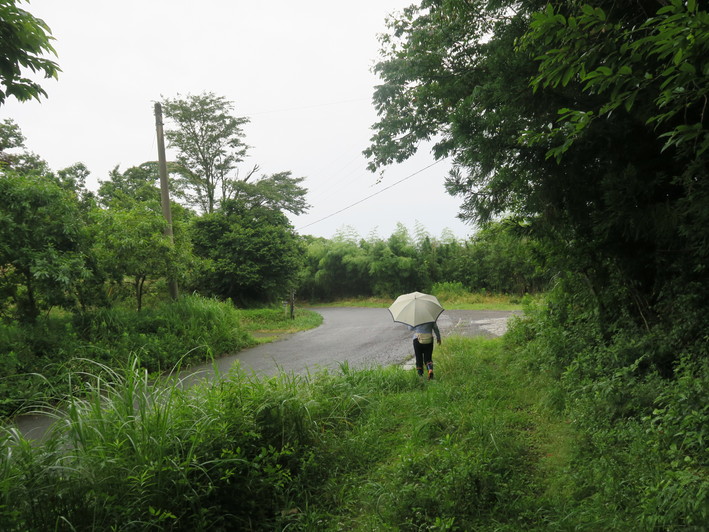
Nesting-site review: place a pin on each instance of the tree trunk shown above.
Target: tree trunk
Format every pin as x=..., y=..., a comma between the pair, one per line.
x=139, y=282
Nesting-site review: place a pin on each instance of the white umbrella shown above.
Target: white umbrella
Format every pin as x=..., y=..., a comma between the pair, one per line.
x=415, y=308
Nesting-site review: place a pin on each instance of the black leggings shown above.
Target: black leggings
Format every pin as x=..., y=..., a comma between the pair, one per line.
x=423, y=353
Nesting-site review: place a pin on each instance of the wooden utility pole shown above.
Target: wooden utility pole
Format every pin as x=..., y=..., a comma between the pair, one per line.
x=164, y=191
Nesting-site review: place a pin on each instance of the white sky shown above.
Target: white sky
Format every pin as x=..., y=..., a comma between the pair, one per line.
x=300, y=70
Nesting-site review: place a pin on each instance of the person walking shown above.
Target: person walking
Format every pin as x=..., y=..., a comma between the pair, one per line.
x=423, y=346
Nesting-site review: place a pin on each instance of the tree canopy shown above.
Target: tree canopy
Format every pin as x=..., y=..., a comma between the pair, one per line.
x=587, y=123
x=210, y=145
x=41, y=254
x=249, y=254
x=25, y=41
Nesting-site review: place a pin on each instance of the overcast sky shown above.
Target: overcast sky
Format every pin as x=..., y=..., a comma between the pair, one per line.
x=300, y=70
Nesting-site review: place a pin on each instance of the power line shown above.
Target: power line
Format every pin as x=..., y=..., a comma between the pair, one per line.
x=370, y=196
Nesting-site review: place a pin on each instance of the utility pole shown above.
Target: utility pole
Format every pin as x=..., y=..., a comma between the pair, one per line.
x=165, y=192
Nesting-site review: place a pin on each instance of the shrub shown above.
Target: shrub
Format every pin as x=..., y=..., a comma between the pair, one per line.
x=38, y=358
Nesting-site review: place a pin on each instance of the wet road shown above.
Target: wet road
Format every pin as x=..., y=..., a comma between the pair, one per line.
x=360, y=337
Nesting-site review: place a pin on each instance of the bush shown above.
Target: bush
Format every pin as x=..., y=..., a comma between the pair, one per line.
x=449, y=290
x=38, y=358
x=638, y=396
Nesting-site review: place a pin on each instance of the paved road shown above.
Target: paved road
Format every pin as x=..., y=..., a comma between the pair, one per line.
x=360, y=337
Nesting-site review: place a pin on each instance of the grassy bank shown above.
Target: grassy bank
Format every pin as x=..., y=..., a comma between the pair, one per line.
x=450, y=301
x=497, y=442
x=38, y=359
x=366, y=450
x=265, y=325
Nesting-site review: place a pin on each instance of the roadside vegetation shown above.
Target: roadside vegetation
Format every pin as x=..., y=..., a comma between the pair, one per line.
x=479, y=448
x=452, y=295
x=494, y=443
x=41, y=359
x=579, y=147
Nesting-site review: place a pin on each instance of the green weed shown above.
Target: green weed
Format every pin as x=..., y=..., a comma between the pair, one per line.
x=490, y=444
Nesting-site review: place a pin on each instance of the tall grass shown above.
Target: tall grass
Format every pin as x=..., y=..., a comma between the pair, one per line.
x=193, y=325
x=455, y=296
x=36, y=360
x=277, y=320
x=451, y=295
x=374, y=449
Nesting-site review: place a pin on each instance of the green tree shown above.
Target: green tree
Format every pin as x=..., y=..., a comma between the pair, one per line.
x=624, y=207
x=137, y=184
x=395, y=266
x=24, y=43
x=41, y=255
x=280, y=191
x=130, y=243
x=502, y=258
x=337, y=268
x=10, y=136
x=250, y=254
x=13, y=154
x=210, y=145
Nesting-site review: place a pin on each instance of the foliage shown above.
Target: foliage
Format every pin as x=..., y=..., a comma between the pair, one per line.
x=136, y=184
x=36, y=359
x=497, y=442
x=466, y=452
x=131, y=242
x=656, y=63
x=191, y=330
x=42, y=256
x=280, y=191
x=501, y=257
x=210, y=144
x=251, y=254
x=641, y=449
x=13, y=153
x=25, y=41
x=601, y=156
x=10, y=136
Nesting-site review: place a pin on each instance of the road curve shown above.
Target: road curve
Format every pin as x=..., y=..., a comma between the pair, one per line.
x=360, y=337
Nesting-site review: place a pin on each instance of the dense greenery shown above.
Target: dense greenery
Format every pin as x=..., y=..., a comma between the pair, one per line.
x=72, y=263
x=579, y=140
x=25, y=41
x=491, y=445
x=640, y=459
x=587, y=125
x=250, y=254
x=499, y=258
x=362, y=450
x=38, y=358
x=614, y=189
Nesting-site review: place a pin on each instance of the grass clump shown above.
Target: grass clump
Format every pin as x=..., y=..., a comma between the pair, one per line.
x=39, y=358
x=453, y=296
x=277, y=321
x=375, y=449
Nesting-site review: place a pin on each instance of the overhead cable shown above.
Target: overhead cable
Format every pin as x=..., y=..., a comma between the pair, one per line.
x=370, y=196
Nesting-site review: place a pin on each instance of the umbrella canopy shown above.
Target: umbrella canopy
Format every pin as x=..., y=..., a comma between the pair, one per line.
x=415, y=308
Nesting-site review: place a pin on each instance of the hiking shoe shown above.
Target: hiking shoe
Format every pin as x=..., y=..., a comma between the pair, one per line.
x=429, y=366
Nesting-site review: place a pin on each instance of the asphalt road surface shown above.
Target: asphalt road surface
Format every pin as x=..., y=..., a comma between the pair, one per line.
x=359, y=337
